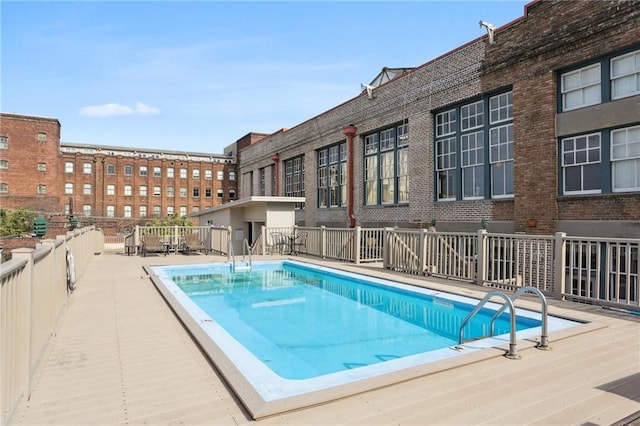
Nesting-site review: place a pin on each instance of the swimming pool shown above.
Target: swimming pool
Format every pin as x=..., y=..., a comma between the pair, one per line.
x=290, y=334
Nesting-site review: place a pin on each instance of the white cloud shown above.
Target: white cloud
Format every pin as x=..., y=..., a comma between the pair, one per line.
x=113, y=109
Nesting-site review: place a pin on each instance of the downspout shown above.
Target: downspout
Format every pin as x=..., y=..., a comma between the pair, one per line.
x=350, y=132
x=276, y=160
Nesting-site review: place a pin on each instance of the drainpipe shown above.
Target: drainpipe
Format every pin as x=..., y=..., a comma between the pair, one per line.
x=350, y=132
x=276, y=160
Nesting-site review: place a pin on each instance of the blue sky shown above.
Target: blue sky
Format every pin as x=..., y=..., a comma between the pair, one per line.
x=198, y=75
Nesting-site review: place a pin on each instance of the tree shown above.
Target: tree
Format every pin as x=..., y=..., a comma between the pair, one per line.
x=171, y=220
x=16, y=222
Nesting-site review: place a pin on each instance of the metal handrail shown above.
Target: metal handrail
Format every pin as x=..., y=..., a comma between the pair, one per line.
x=246, y=248
x=513, y=351
x=544, y=337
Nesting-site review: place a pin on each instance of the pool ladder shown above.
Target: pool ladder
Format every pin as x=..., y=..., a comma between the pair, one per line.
x=241, y=265
x=508, y=303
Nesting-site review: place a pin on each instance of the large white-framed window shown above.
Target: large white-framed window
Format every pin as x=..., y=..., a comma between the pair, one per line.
x=208, y=174
x=87, y=168
x=143, y=190
x=41, y=189
x=195, y=173
x=157, y=211
x=581, y=164
x=183, y=191
x=157, y=172
x=208, y=192
x=4, y=164
x=86, y=189
x=128, y=191
x=4, y=188
x=196, y=192
x=128, y=210
x=232, y=193
x=183, y=211
x=170, y=191
x=581, y=87
x=142, y=211
x=183, y=173
x=111, y=189
x=170, y=210
x=86, y=210
x=220, y=193
x=143, y=171
x=157, y=191
x=332, y=176
x=625, y=75
x=68, y=188
x=220, y=175
x=128, y=170
x=42, y=167
x=625, y=158
x=111, y=211
x=4, y=142
x=170, y=172
x=232, y=175
x=111, y=169
x=68, y=166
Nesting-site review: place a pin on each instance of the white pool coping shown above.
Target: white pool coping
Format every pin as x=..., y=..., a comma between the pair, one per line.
x=264, y=393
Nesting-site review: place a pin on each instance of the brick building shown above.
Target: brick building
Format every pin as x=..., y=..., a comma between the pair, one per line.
x=535, y=127
x=102, y=184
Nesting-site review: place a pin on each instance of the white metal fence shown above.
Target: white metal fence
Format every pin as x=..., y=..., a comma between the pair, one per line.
x=215, y=239
x=34, y=293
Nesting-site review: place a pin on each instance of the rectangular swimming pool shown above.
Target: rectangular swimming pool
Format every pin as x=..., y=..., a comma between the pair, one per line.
x=289, y=334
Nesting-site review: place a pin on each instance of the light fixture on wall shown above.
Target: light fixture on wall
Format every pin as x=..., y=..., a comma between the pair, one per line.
x=369, y=88
x=490, y=30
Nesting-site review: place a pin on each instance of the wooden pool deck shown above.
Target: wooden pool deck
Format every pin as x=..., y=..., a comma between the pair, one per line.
x=120, y=356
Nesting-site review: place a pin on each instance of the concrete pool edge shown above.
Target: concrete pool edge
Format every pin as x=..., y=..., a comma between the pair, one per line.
x=259, y=407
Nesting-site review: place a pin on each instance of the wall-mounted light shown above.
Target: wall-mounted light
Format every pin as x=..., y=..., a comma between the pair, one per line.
x=490, y=30
x=369, y=88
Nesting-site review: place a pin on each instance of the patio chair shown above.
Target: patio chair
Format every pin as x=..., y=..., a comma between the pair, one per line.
x=151, y=244
x=192, y=242
x=277, y=243
x=299, y=243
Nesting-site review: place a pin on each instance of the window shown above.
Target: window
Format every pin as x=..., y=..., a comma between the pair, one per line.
x=474, y=150
x=170, y=211
x=625, y=157
x=183, y=173
x=68, y=188
x=42, y=167
x=183, y=191
x=196, y=192
x=262, y=189
x=208, y=174
x=86, y=168
x=67, y=209
x=220, y=193
x=183, y=210
x=195, y=173
x=143, y=211
x=156, y=211
x=294, y=178
x=4, y=188
x=386, y=165
x=170, y=172
x=625, y=75
x=232, y=194
x=157, y=191
x=4, y=142
x=170, y=191
x=111, y=211
x=207, y=192
x=86, y=209
x=111, y=189
x=68, y=167
x=143, y=171
x=332, y=176
x=232, y=175
x=581, y=166
x=4, y=164
x=111, y=169
x=128, y=170
x=127, y=211
x=196, y=209
x=41, y=189
x=273, y=179
x=128, y=190
x=157, y=172
x=42, y=137
x=143, y=190
x=581, y=87
x=220, y=175
x=86, y=189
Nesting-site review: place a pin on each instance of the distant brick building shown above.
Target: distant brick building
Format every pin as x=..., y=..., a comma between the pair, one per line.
x=104, y=183
x=535, y=127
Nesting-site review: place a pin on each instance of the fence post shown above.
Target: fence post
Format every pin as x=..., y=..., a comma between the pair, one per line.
x=263, y=239
x=482, y=257
x=356, y=241
x=422, y=251
x=560, y=251
x=323, y=242
x=24, y=332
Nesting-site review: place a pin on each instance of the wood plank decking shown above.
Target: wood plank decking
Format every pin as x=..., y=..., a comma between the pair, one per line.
x=120, y=356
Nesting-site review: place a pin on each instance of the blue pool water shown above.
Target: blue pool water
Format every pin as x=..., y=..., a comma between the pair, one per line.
x=304, y=322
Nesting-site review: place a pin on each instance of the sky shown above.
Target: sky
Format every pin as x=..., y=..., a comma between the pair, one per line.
x=198, y=75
